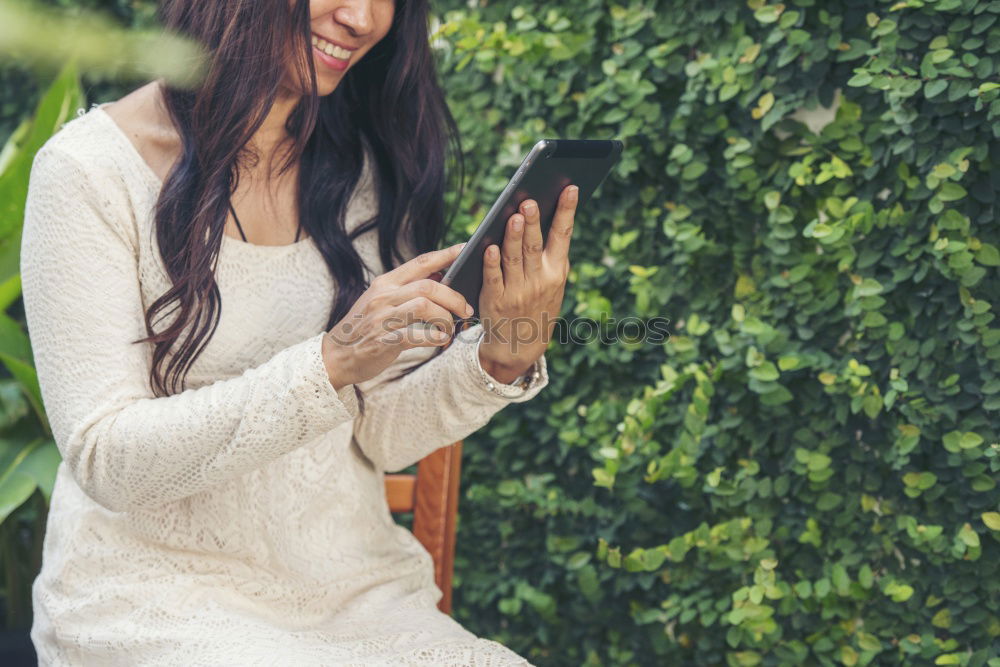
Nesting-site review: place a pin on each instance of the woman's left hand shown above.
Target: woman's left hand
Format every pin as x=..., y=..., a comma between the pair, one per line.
x=520, y=302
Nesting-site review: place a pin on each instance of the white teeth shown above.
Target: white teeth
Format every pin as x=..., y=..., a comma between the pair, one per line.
x=330, y=49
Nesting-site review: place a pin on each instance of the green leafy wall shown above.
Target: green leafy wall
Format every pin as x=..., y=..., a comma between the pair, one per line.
x=805, y=472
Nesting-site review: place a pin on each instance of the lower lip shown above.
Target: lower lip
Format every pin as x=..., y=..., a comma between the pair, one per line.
x=330, y=61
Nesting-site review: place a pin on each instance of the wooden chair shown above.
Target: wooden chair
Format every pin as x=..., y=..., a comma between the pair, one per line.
x=432, y=496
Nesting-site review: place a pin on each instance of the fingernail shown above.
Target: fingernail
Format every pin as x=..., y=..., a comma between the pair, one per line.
x=468, y=310
x=529, y=208
x=517, y=224
x=571, y=195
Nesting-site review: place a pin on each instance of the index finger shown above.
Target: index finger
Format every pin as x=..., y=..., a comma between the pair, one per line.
x=423, y=265
x=557, y=243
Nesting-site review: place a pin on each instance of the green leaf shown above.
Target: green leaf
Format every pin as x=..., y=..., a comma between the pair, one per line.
x=10, y=290
x=935, y=88
x=508, y=487
x=578, y=560
x=768, y=13
x=603, y=478
x=941, y=55
x=899, y=592
x=981, y=483
x=942, y=619
x=869, y=642
x=766, y=101
x=42, y=464
x=828, y=501
x=868, y=287
x=860, y=79
x=56, y=106
x=729, y=91
x=970, y=440
x=694, y=170
x=872, y=405
x=951, y=192
x=865, y=577
x=15, y=489
x=817, y=461
x=766, y=372
x=840, y=579
x=952, y=441
x=968, y=536
x=885, y=27
x=633, y=562
x=17, y=482
x=779, y=395
x=28, y=379
x=652, y=559
x=988, y=255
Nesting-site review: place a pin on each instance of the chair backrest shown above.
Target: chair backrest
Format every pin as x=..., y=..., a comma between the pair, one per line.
x=432, y=496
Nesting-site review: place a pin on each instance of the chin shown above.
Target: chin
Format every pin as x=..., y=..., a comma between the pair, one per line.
x=326, y=80
x=325, y=86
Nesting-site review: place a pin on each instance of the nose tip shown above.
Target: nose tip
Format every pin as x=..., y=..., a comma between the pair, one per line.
x=357, y=18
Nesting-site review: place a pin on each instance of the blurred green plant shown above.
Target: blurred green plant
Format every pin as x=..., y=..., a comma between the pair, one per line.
x=45, y=39
x=28, y=454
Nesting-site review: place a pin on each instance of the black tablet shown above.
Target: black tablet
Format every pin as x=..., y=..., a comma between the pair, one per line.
x=550, y=166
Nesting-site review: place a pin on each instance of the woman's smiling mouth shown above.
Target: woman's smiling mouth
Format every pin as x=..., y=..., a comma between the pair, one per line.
x=332, y=55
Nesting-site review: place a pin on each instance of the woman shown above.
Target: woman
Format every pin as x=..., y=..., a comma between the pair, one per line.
x=210, y=287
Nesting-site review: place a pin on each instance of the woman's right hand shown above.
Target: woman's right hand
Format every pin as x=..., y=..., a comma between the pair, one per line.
x=375, y=331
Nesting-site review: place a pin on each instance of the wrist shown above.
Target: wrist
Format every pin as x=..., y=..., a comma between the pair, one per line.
x=327, y=354
x=504, y=373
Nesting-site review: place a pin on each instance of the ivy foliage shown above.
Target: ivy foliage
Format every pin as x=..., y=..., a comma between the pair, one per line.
x=805, y=472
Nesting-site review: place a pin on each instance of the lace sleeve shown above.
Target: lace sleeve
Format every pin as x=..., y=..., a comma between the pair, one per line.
x=443, y=401
x=124, y=447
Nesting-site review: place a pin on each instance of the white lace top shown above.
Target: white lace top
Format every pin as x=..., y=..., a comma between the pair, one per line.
x=242, y=521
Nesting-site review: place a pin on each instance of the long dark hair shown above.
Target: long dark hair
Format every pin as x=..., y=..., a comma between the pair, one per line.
x=389, y=103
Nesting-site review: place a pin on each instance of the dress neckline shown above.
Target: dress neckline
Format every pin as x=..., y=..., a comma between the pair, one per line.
x=154, y=178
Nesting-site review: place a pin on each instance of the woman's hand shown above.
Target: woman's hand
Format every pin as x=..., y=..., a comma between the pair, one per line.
x=374, y=331
x=520, y=302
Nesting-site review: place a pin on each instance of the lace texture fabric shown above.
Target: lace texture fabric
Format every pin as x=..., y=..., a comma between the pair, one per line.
x=243, y=520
